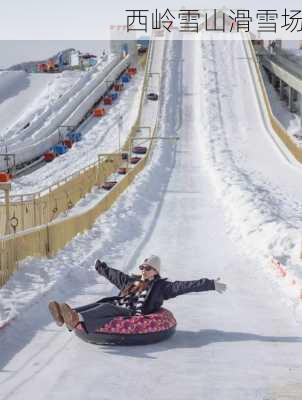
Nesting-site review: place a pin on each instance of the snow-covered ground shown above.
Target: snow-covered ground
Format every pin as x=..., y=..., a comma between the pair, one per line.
x=30, y=97
x=99, y=135
x=66, y=108
x=247, y=157
x=20, y=94
x=217, y=202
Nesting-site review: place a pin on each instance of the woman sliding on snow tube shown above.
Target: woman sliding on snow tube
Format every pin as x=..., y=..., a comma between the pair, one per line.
x=134, y=316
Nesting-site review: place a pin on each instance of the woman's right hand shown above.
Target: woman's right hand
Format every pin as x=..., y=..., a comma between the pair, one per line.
x=99, y=265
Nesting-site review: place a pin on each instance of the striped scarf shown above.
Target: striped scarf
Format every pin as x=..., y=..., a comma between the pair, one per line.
x=134, y=296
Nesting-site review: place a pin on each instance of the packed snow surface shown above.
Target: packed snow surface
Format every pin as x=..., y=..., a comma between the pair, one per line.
x=63, y=102
x=220, y=201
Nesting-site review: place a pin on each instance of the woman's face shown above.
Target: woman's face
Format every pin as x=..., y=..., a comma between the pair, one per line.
x=148, y=273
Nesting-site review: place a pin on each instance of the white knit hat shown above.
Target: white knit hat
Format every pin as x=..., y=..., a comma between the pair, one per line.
x=153, y=261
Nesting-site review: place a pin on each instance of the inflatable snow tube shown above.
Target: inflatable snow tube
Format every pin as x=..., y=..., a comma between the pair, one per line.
x=136, y=330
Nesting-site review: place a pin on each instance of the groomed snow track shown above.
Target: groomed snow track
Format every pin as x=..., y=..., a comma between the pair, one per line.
x=242, y=345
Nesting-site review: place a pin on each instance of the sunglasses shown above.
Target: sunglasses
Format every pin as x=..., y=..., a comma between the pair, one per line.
x=146, y=268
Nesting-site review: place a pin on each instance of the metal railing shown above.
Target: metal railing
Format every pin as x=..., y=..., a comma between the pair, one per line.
x=294, y=149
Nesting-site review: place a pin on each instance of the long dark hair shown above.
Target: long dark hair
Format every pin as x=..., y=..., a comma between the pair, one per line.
x=135, y=287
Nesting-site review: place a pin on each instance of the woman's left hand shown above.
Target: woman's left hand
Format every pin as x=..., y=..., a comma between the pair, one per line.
x=219, y=286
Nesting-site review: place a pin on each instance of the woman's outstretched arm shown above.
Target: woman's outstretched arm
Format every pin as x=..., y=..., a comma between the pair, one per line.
x=116, y=277
x=173, y=289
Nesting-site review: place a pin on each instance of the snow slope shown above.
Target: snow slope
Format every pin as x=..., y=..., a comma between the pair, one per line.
x=254, y=177
x=242, y=345
x=41, y=134
x=18, y=92
x=38, y=104
x=98, y=135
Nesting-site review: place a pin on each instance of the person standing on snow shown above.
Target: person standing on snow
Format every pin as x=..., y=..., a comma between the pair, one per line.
x=139, y=295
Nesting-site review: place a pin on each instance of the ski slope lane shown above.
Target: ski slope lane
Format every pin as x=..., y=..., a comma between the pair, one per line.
x=240, y=345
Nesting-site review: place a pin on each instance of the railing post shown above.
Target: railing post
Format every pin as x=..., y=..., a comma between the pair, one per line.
x=35, y=211
x=6, y=186
x=22, y=212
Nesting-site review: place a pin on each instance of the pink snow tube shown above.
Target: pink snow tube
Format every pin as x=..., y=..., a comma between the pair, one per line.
x=141, y=329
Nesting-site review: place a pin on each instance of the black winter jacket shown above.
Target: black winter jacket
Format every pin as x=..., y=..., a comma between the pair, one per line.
x=160, y=289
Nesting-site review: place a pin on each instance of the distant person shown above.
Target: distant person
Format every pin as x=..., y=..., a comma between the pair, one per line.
x=272, y=46
x=104, y=56
x=140, y=294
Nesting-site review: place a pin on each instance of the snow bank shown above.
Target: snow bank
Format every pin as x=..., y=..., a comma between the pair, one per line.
x=261, y=217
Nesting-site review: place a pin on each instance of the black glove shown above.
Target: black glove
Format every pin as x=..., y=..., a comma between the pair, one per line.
x=99, y=265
